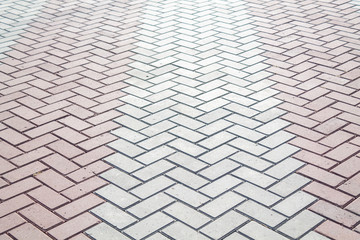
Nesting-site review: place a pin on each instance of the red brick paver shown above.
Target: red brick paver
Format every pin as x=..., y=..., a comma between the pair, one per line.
x=59, y=87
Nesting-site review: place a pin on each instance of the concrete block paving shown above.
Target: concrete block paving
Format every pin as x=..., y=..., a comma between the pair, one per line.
x=167, y=119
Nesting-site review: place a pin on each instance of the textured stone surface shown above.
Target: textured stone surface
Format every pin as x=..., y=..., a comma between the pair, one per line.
x=212, y=119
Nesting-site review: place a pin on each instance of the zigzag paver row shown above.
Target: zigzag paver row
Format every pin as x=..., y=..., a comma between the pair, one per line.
x=239, y=120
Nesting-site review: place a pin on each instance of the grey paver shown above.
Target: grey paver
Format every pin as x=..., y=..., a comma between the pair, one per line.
x=217, y=154
x=187, y=178
x=243, y=121
x=158, y=106
x=142, y=58
x=148, y=225
x=280, y=153
x=120, y=179
x=246, y=133
x=214, y=115
x=126, y=148
x=258, y=232
x=103, y=231
x=248, y=146
x=180, y=231
x=254, y=177
x=153, y=170
x=223, y=225
x=187, y=134
x=257, y=194
x=190, y=101
x=187, y=65
x=252, y=45
x=222, y=204
x=151, y=187
x=209, y=77
x=251, y=161
x=156, y=141
x=131, y=123
x=157, y=236
x=187, y=90
x=113, y=215
x=187, y=80
x=150, y=205
x=266, y=104
x=155, y=154
x=236, y=236
x=301, y=224
x=158, y=128
x=314, y=236
x=294, y=203
x=220, y=185
x=187, y=195
x=239, y=81
x=235, y=69
x=237, y=89
x=284, y=168
x=214, y=127
x=187, y=110
x=289, y=185
x=140, y=85
x=263, y=94
x=159, y=116
x=242, y=110
x=256, y=68
x=216, y=140
x=123, y=162
x=239, y=99
x=207, y=96
x=133, y=111
x=142, y=75
x=213, y=104
x=277, y=139
x=273, y=126
x=187, y=122
x=117, y=196
x=215, y=84
x=261, y=213
x=187, y=161
x=187, y=147
x=269, y=115
x=219, y=169
x=187, y=215
x=161, y=86
x=128, y=134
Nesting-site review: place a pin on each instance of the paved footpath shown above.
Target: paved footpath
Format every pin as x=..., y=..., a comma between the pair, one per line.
x=180, y=119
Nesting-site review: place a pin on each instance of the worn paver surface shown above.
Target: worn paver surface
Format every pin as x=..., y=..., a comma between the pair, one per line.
x=180, y=119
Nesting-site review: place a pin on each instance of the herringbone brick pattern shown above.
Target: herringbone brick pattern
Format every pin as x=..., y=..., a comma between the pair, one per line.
x=14, y=18
x=60, y=82
x=209, y=130
x=318, y=75
x=236, y=120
